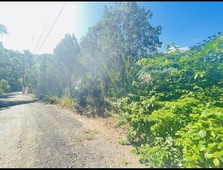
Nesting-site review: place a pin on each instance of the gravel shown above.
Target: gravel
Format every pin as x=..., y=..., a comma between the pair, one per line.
x=37, y=135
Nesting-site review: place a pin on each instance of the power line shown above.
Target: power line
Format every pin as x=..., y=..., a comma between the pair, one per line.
x=52, y=27
x=40, y=36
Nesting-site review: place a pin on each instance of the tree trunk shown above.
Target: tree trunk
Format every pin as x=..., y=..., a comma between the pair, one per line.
x=123, y=71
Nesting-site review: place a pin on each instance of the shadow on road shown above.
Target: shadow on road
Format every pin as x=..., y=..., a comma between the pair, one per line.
x=6, y=100
x=8, y=95
x=13, y=103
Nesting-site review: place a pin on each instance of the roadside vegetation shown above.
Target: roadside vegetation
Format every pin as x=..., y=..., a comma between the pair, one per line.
x=172, y=101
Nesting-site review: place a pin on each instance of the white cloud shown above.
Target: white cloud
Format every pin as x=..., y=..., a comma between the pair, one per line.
x=184, y=48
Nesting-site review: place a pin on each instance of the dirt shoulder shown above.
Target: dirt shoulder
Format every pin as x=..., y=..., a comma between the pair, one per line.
x=107, y=129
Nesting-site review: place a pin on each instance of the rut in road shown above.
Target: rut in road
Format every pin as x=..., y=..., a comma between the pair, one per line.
x=34, y=134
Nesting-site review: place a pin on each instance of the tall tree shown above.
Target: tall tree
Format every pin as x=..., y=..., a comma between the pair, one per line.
x=67, y=53
x=127, y=34
x=91, y=55
x=118, y=40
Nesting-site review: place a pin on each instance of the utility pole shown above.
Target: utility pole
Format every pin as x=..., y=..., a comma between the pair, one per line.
x=23, y=75
x=27, y=63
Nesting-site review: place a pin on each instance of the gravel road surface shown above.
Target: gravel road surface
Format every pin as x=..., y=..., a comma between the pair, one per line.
x=33, y=134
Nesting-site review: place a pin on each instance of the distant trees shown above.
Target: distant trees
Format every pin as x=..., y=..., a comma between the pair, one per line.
x=10, y=67
x=15, y=71
x=10, y=70
x=55, y=74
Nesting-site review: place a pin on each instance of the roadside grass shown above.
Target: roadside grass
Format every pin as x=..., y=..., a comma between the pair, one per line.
x=89, y=134
x=124, y=141
x=53, y=100
x=124, y=161
x=66, y=102
x=76, y=139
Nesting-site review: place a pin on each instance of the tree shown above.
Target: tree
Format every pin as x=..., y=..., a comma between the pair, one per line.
x=90, y=49
x=127, y=35
x=92, y=56
x=118, y=40
x=67, y=53
x=113, y=45
x=15, y=70
x=128, y=28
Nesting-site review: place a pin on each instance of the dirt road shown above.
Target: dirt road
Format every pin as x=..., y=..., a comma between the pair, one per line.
x=33, y=134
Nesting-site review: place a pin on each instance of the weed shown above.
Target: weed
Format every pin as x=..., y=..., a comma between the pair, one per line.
x=67, y=102
x=124, y=161
x=89, y=134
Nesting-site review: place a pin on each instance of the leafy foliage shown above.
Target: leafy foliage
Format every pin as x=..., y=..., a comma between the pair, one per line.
x=178, y=120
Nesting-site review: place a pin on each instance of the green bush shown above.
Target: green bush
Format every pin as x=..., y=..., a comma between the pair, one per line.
x=4, y=86
x=175, y=112
x=67, y=102
x=202, y=139
x=53, y=100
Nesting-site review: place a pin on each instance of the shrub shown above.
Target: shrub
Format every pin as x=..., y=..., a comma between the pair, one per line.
x=175, y=111
x=67, y=102
x=53, y=100
x=4, y=86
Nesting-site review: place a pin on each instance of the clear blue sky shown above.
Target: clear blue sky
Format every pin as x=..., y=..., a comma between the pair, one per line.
x=183, y=23
x=186, y=23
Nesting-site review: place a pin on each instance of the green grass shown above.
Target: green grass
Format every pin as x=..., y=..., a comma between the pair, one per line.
x=67, y=102
x=89, y=134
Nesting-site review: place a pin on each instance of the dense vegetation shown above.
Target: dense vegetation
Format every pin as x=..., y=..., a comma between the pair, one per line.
x=10, y=70
x=171, y=101
x=176, y=113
